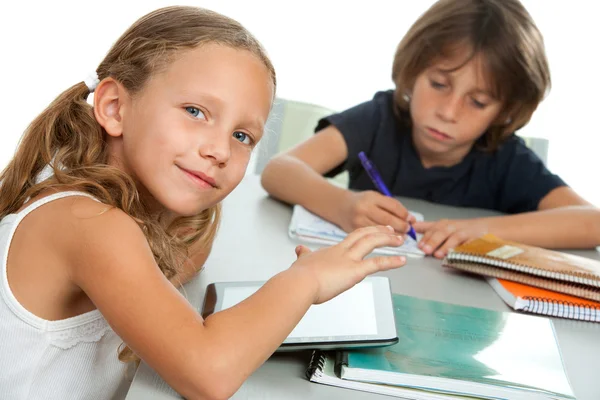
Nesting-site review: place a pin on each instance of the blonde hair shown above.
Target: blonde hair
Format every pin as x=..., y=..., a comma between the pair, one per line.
x=67, y=137
x=503, y=32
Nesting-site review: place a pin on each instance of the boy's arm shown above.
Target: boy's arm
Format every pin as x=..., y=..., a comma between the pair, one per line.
x=296, y=176
x=563, y=220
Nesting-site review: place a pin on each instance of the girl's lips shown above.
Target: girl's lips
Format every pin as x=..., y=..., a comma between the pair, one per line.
x=200, y=178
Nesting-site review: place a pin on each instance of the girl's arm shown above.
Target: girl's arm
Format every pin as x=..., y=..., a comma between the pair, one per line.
x=296, y=177
x=193, y=265
x=563, y=220
x=110, y=260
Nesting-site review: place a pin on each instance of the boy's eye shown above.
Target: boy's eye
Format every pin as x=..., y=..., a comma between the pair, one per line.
x=195, y=112
x=437, y=85
x=242, y=137
x=478, y=104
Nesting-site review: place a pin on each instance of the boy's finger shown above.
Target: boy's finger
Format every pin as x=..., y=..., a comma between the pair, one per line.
x=411, y=219
x=434, y=242
x=393, y=206
x=426, y=236
x=422, y=226
x=383, y=217
x=452, y=242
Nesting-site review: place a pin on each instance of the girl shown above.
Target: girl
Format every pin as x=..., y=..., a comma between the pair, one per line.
x=135, y=184
x=468, y=73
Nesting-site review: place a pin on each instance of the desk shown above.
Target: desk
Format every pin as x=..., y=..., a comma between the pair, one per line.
x=252, y=244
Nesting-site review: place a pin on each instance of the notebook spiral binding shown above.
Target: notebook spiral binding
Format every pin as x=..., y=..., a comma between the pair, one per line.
x=574, y=289
x=575, y=277
x=317, y=362
x=569, y=309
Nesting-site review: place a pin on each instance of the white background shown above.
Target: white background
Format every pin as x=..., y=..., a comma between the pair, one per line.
x=333, y=53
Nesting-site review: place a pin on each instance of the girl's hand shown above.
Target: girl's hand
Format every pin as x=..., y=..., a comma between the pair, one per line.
x=338, y=268
x=369, y=208
x=439, y=237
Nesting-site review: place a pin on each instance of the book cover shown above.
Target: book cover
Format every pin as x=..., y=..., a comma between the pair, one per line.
x=496, y=252
x=546, y=302
x=465, y=351
x=322, y=369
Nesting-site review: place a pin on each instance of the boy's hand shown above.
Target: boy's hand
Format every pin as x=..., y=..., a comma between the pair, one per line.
x=370, y=208
x=439, y=237
x=337, y=268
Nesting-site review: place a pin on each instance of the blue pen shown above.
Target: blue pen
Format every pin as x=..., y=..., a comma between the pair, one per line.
x=378, y=182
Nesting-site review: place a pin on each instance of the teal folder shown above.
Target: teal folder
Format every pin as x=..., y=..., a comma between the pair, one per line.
x=459, y=351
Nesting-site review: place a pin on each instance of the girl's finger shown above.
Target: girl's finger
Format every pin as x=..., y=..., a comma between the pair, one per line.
x=381, y=263
x=357, y=234
x=366, y=244
x=301, y=251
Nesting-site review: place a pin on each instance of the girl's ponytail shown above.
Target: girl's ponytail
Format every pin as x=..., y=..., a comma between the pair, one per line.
x=65, y=134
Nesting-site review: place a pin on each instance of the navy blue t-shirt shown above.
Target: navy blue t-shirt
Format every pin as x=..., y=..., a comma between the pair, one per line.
x=511, y=179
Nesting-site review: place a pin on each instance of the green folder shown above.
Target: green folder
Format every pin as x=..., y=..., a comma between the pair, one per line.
x=463, y=351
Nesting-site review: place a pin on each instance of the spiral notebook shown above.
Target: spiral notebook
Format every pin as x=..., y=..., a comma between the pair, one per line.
x=546, y=302
x=448, y=351
x=322, y=369
x=310, y=228
x=533, y=266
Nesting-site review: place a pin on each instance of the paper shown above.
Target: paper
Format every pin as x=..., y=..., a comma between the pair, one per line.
x=308, y=227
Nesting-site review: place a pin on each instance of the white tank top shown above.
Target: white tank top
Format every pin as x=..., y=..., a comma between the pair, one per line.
x=74, y=358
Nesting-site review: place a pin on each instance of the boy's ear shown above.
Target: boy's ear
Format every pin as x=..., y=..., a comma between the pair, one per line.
x=109, y=98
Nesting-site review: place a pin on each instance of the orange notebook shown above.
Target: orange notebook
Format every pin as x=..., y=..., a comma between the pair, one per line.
x=541, y=301
x=533, y=266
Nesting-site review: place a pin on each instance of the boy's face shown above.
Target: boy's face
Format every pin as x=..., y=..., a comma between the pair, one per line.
x=188, y=135
x=451, y=109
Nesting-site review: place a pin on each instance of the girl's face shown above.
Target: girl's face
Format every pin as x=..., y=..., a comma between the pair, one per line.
x=188, y=135
x=451, y=109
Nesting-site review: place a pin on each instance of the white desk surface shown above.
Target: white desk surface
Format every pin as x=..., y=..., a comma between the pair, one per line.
x=252, y=244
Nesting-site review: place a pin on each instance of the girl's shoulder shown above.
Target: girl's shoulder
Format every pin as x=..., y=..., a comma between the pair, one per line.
x=72, y=221
x=63, y=207
x=55, y=237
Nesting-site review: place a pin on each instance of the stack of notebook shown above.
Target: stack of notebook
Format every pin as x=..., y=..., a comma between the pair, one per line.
x=448, y=351
x=533, y=279
x=546, y=302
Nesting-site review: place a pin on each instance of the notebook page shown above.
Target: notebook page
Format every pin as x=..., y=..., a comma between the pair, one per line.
x=306, y=225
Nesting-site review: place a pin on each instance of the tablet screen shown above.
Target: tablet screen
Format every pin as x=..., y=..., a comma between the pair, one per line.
x=362, y=316
x=354, y=312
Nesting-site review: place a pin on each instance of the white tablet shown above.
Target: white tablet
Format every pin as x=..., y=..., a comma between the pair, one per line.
x=360, y=317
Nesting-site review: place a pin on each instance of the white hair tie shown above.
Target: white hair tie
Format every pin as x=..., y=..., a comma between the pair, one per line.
x=92, y=81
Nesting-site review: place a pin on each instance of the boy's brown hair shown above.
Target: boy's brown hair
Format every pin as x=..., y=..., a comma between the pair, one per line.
x=503, y=33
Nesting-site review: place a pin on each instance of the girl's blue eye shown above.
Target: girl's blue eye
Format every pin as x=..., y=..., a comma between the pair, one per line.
x=242, y=137
x=195, y=112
